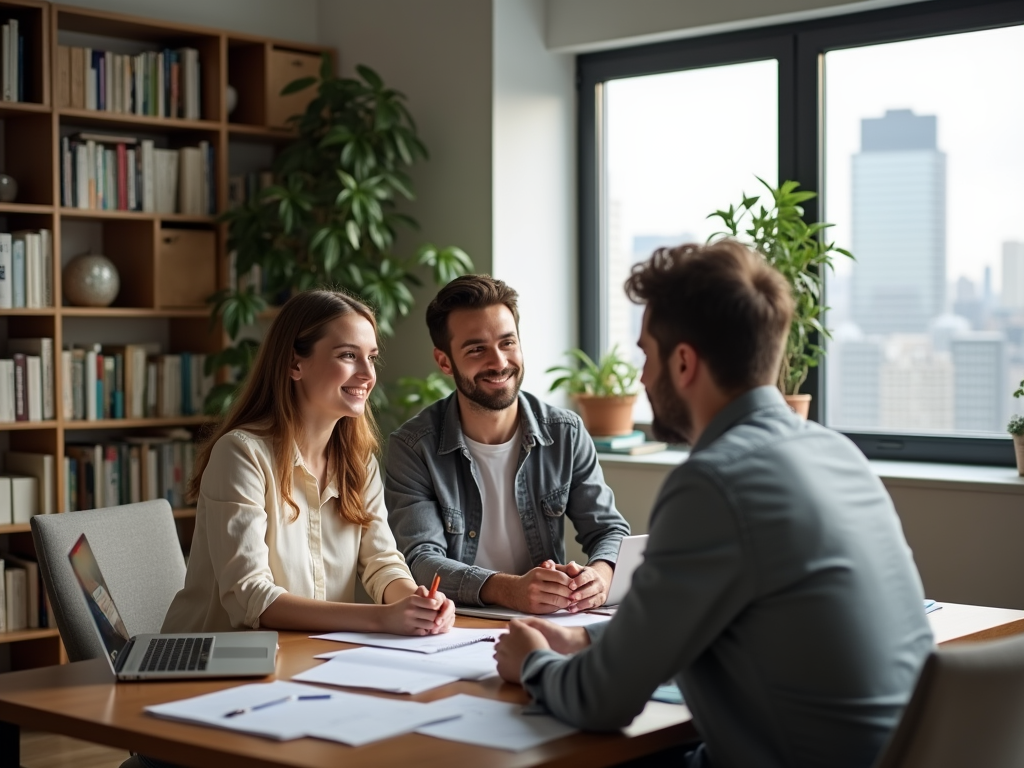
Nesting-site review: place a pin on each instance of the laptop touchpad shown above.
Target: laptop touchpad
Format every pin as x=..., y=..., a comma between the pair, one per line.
x=238, y=652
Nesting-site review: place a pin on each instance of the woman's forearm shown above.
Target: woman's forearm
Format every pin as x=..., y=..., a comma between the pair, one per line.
x=305, y=614
x=398, y=589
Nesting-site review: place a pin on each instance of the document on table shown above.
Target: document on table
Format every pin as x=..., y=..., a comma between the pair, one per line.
x=471, y=662
x=496, y=724
x=453, y=638
x=565, y=618
x=278, y=711
x=357, y=672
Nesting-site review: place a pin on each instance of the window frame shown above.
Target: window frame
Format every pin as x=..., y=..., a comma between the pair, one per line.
x=799, y=49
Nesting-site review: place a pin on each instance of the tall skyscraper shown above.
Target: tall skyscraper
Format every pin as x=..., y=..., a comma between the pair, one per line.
x=1013, y=275
x=856, y=382
x=899, y=224
x=980, y=382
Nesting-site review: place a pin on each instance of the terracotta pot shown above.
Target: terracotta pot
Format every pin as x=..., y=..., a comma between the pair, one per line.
x=801, y=404
x=1018, y=449
x=604, y=416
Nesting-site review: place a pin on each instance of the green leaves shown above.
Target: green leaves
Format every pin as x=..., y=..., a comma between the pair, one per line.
x=801, y=254
x=612, y=375
x=447, y=263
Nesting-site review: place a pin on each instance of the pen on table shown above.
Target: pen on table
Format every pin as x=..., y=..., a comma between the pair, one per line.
x=282, y=700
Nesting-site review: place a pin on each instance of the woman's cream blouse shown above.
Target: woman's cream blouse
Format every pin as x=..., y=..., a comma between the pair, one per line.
x=245, y=552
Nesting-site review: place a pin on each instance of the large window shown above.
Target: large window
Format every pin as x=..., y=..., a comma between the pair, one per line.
x=667, y=170
x=907, y=122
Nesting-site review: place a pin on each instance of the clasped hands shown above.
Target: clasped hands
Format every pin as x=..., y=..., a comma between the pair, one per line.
x=552, y=587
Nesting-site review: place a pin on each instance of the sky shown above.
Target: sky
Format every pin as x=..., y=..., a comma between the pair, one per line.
x=682, y=144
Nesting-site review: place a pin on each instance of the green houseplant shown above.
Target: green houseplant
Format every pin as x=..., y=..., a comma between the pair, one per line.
x=331, y=217
x=1016, y=430
x=799, y=252
x=605, y=391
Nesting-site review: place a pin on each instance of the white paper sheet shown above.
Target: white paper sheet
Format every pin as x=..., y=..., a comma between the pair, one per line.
x=352, y=674
x=471, y=662
x=344, y=717
x=453, y=638
x=496, y=724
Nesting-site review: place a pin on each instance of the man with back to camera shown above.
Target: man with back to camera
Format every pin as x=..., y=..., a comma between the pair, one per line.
x=478, y=485
x=777, y=588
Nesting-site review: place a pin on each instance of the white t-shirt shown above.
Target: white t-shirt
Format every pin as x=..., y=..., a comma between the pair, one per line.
x=502, y=544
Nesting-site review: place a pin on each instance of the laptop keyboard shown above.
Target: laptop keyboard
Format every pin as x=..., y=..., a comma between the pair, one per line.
x=176, y=654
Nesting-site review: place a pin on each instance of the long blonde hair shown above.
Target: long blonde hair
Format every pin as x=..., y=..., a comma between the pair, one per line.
x=268, y=406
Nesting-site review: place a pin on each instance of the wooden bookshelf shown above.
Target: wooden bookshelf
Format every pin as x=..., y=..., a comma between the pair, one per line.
x=33, y=130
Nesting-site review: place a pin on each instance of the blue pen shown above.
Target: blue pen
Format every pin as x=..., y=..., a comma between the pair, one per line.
x=264, y=705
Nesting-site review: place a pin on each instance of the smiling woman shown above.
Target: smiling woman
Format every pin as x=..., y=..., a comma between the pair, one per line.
x=290, y=505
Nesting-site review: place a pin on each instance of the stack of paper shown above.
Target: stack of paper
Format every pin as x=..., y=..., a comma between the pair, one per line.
x=495, y=724
x=453, y=638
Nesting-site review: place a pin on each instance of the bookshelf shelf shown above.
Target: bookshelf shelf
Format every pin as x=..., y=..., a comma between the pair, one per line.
x=184, y=513
x=15, y=108
x=24, y=426
x=244, y=132
x=25, y=208
x=172, y=421
x=104, y=119
x=131, y=312
x=17, y=528
x=28, y=634
x=40, y=312
x=96, y=213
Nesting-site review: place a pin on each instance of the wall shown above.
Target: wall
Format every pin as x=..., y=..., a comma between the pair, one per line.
x=534, y=204
x=590, y=25
x=438, y=53
x=292, y=20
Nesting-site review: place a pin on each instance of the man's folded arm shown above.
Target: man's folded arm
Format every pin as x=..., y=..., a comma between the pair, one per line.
x=689, y=587
x=416, y=521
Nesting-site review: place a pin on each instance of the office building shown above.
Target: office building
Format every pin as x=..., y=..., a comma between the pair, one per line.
x=980, y=385
x=855, y=365
x=915, y=387
x=899, y=224
x=1013, y=275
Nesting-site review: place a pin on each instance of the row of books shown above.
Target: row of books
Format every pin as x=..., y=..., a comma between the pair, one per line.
x=133, y=381
x=26, y=487
x=156, y=83
x=121, y=173
x=12, y=51
x=26, y=269
x=22, y=597
x=243, y=187
x=135, y=469
x=634, y=443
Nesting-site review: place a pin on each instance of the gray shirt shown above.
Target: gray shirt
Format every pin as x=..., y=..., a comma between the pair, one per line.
x=779, y=592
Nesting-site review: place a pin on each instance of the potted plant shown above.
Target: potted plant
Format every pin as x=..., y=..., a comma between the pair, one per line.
x=797, y=250
x=331, y=217
x=605, y=391
x=1016, y=430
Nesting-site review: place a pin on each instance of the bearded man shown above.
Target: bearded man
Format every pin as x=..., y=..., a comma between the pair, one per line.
x=478, y=485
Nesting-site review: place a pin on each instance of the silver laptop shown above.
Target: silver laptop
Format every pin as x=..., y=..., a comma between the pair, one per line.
x=166, y=656
x=631, y=554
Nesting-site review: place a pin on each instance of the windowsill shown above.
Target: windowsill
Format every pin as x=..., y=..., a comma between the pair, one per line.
x=906, y=474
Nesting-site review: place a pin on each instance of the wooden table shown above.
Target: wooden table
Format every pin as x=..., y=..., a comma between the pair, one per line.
x=81, y=700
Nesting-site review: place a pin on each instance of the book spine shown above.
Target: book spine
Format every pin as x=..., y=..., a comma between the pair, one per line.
x=90, y=385
x=20, y=387
x=18, y=288
x=6, y=272
x=67, y=401
x=122, y=177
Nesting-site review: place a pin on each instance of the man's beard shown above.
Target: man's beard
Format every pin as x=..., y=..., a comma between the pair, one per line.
x=673, y=420
x=498, y=400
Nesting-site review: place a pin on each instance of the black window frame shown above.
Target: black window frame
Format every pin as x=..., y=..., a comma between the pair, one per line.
x=799, y=49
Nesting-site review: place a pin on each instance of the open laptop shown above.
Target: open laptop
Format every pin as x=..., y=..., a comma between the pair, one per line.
x=631, y=554
x=166, y=656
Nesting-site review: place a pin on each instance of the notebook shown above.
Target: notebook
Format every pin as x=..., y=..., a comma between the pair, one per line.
x=166, y=656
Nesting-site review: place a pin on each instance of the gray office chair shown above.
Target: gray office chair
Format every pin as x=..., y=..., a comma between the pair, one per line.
x=967, y=710
x=136, y=546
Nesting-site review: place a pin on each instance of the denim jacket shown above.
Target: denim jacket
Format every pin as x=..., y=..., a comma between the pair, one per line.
x=435, y=508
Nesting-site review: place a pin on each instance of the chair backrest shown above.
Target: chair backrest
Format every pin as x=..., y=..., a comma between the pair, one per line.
x=136, y=546
x=967, y=710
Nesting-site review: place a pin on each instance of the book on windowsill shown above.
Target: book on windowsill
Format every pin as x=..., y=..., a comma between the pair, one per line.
x=614, y=442
x=641, y=449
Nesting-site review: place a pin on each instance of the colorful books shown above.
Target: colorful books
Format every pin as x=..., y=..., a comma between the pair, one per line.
x=613, y=442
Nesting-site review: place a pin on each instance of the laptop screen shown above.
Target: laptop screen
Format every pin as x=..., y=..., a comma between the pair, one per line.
x=97, y=597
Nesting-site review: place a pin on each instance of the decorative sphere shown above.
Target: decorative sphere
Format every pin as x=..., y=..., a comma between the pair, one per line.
x=231, y=96
x=8, y=188
x=91, y=280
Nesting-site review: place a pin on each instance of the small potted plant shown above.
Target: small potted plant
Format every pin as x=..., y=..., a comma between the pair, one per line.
x=1016, y=430
x=605, y=391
